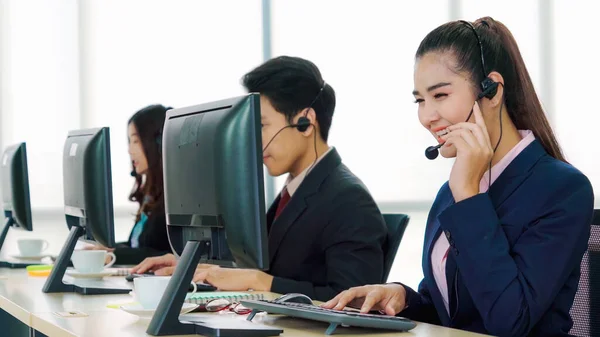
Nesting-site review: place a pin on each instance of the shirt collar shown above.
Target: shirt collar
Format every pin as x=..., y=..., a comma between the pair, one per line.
x=292, y=183
x=527, y=138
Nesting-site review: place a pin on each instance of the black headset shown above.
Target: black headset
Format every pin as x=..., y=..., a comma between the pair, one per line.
x=303, y=122
x=158, y=141
x=489, y=88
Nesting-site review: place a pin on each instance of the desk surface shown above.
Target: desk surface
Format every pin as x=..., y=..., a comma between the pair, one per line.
x=117, y=323
x=22, y=297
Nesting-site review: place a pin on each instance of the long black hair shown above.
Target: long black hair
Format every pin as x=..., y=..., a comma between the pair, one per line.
x=149, y=123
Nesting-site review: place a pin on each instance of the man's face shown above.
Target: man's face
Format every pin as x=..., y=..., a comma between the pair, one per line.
x=281, y=155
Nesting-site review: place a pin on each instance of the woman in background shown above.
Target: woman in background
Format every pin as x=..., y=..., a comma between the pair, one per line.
x=149, y=234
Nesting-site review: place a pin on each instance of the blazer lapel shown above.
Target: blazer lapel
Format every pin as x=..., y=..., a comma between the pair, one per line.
x=515, y=173
x=444, y=200
x=271, y=213
x=282, y=224
x=299, y=201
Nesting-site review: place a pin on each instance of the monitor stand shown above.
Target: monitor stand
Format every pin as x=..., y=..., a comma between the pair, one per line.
x=17, y=265
x=55, y=284
x=8, y=264
x=166, y=318
x=7, y=225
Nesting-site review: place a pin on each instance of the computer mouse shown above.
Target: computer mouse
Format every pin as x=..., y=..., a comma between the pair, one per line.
x=130, y=277
x=294, y=298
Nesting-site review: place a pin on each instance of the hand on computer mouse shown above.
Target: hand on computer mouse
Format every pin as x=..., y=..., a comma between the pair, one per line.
x=156, y=264
x=390, y=298
x=233, y=279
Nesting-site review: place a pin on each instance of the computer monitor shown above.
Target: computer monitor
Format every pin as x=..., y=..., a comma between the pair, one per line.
x=214, y=199
x=15, y=195
x=88, y=205
x=213, y=178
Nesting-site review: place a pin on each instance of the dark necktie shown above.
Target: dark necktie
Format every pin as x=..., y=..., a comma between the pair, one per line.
x=285, y=197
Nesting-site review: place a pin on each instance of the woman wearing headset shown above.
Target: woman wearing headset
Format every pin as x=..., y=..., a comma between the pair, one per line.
x=502, y=245
x=149, y=234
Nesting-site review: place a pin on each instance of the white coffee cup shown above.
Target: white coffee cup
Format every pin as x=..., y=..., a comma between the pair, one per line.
x=32, y=247
x=149, y=290
x=91, y=261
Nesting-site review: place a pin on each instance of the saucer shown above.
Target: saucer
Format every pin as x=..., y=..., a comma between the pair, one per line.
x=96, y=275
x=138, y=310
x=28, y=257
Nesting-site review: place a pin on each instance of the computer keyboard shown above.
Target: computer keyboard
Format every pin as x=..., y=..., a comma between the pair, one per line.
x=333, y=317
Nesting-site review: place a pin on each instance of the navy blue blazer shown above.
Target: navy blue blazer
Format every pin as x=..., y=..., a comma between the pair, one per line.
x=513, y=266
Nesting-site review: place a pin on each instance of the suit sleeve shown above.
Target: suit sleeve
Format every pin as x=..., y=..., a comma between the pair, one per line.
x=419, y=306
x=352, y=243
x=133, y=256
x=512, y=288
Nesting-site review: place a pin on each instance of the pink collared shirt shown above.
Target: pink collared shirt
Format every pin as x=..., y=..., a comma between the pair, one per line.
x=438, y=254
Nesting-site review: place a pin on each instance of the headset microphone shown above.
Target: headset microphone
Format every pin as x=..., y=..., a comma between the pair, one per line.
x=432, y=152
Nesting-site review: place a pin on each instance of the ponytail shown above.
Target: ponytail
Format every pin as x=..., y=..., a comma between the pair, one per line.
x=521, y=99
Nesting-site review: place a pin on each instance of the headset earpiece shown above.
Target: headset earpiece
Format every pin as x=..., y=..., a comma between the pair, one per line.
x=303, y=124
x=489, y=88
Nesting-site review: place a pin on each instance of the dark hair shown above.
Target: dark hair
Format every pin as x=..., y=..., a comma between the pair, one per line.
x=149, y=123
x=502, y=55
x=291, y=84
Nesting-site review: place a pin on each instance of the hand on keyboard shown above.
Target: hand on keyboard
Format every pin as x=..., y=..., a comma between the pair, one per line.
x=390, y=298
x=334, y=317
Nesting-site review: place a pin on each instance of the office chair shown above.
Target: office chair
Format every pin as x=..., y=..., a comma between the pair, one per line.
x=586, y=307
x=396, y=224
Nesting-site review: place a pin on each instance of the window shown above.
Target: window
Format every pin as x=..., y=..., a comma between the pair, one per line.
x=365, y=51
x=577, y=118
x=176, y=53
x=40, y=90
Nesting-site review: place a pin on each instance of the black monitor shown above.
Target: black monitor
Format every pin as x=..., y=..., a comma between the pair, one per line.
x=88, y=205
x=214, y=200
x=213, y=178
x=15, y=195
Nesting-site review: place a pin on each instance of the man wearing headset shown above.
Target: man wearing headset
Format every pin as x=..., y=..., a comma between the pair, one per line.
x=326, y=234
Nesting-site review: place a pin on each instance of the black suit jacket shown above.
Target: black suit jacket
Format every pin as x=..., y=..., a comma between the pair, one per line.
x=153, y=241
x=329, y=237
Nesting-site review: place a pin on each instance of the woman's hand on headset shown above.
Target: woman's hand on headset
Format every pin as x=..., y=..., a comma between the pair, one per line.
x=473, y=155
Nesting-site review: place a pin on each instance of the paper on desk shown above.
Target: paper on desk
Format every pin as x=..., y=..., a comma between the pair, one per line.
x=70, y=314
x=119, y=305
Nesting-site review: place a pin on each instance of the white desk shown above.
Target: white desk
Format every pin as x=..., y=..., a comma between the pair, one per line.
x=22, y=298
